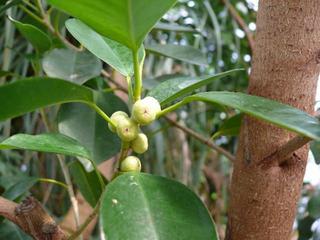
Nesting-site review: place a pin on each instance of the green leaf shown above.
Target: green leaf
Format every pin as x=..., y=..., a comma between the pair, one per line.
x=86, y=126
x=174, y=27
x=49, y=142
x=315, y=148
x=87, y=182
x=172, y=89
x=18, y=186
x=230, y=127
x=314, y=206
x=27, y=95
x=304, y=228
x=113, y=53
x=265, y=109
x=142, y=206
x=71, y=65
x=183, y=53
x=127, y=21
x=39, y=40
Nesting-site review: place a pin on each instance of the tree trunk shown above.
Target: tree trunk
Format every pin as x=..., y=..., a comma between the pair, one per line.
x=285, y=68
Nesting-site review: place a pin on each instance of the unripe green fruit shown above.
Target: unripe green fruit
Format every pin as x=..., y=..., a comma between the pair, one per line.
x=140, y=144
x=116, y=117
x=144, y=111
x=130, y=164
x=127, y=129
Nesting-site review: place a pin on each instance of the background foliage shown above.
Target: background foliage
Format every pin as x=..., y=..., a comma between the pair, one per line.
x=210, y=41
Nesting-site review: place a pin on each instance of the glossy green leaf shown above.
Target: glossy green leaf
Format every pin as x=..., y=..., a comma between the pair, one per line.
x=71, y=65
x=174, y=27
x=34, y=35
x=265, y=109
x=230, y=127
x=87, y=182
x=144, y=207
x=315, y=148
x=126, y=22
x=183, y=53
x=27, y=95
x=49, y=142
x=115, y=54
x=171, y=89
x=86, y=126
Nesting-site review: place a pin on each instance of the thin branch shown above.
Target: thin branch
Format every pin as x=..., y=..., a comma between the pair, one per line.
x=241, y=23
x=281, y=155
x=86, y=222
x=206, y=141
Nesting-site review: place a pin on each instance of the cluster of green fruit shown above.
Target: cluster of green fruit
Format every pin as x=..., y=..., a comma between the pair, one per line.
x=144, y=112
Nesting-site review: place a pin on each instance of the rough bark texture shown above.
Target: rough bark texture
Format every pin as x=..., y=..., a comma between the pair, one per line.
x=32, y=219
x=286, y=63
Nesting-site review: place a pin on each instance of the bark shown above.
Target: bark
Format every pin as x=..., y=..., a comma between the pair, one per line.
x=285, y=68
x=32, y=219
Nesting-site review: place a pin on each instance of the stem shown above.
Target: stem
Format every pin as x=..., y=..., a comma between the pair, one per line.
x=137, y=75
x=48, y=180
x=102, y=114
x=130, y=94
x=206, y=141
x=171, y=108
x=86, y=222
x=73, y=199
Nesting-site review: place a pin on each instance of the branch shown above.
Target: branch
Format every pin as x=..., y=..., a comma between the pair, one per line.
x=199, y=137
x=281, y=155
x=241, y=23
x=32, y=219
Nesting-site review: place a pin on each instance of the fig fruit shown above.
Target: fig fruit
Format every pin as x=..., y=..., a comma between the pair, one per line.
x=145, y=111
x=140, y=144
x=130, y=164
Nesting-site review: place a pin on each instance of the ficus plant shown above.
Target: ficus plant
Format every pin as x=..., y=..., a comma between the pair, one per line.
x=132, y=205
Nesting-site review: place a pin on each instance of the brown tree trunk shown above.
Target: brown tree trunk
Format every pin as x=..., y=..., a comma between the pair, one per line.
x=285, y=68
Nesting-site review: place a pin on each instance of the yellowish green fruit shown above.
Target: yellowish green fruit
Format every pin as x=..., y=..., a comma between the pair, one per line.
x=154, y=103
x=127, y=129
x=144, y=111
x=116, y=117
x=130, y=164
x=140, y=144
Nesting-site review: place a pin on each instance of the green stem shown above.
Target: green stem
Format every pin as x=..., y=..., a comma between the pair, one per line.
x=31, y=14
x=48, y=180
x=171, y=108
x=137, y=75
x=101, y=113
x=130, y=94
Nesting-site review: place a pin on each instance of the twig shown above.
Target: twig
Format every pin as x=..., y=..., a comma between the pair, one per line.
x=281, y=155
x=85, y=223
x=206, y=141
x=241, y=23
